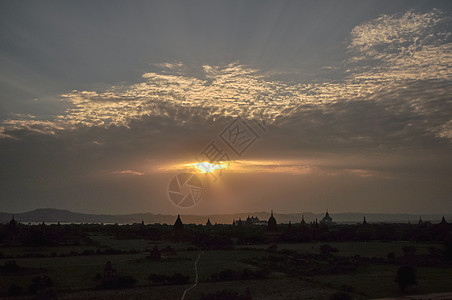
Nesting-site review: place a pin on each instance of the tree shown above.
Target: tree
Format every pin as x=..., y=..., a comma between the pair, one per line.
x=406, y=276
x=340, y=296
x=409, y=251
x=327, y=250
x=448, y=248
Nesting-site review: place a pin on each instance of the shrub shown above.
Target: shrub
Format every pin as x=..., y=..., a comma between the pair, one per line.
x=245, y=274
x=340, y=296
x=46, y=294
x=409, y=251
x=119, y=282
x=168, y=250
x=126, y=281
x=40, y=283
x=272, y=248
x=406, y=276
x=178, y=278
x=390, y=256
x=10, y=266
x=347, y=288
x=226, y=295
x=15, y=289
x=327, y=250
x=160, y=279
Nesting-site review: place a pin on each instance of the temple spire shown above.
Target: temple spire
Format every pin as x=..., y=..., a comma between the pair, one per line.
x=178, y=225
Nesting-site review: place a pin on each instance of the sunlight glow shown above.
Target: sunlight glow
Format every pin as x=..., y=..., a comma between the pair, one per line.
x=206, y=167
x=245, y=166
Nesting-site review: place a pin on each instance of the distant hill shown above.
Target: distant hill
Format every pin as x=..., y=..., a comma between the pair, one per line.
x=50, y=215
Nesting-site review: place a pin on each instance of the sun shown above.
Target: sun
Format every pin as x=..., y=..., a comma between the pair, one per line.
x=206, y=167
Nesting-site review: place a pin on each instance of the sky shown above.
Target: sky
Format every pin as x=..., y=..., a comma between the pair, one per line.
x=347, y=104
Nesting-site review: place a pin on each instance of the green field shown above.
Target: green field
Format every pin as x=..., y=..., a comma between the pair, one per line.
x=74, y=276
x=364, y=249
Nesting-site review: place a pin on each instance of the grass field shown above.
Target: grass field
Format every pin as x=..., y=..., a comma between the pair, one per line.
x=377, y=281
x=364, y=249
x=76, y=275
x=283, y=288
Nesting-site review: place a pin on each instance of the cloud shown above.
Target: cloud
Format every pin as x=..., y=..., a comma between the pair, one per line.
x=314, y=166
x=444, y=130
x=402, y=63
x=249, y=166
x=364, y=173
x=410, y=47
x=126, y=172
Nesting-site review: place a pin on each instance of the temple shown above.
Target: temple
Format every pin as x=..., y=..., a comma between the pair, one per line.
x=271, y=224
x=178, y=225
x=272, y=235
x=327, y=220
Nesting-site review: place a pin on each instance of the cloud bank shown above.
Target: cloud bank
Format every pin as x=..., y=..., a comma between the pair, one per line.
x=388, y=56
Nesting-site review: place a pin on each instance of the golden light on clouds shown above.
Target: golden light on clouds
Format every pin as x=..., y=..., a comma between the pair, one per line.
x=206, y=167
x=385, y=54
x=198, y=167
x=295, y=167
x=243, y=166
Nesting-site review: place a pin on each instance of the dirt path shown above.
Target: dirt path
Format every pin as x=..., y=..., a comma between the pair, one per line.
x=196, y=277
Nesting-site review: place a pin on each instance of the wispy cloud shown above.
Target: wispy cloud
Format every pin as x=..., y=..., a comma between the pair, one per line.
x=284, y=167
x=387, y=55
x=412, y=46
x=125, y=172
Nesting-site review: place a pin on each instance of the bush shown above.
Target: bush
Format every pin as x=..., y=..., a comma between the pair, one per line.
x=448, y=249
x=155, y=254
x=340, y=296
x=160, y=279
x=390, y=256
x=119, y=282
x=15, y=290
x=245, y=274
x=126, y=281
x=46, y=294
x=409, y=251
x=327, y=250
x=168, y=250
x=226, y=295
x=406, y=276
x=272, y=248
x=347, y=288
x=10, y=266
x=40, y=283
x=227, y=275
x=213, y=242
x=178, y=278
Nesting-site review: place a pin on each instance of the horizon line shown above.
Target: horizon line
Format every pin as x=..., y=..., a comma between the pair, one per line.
x=233, y=213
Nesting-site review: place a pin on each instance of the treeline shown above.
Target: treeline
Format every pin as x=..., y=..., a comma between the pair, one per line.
x=424, y=232
x=222, y=236
x=43, y=235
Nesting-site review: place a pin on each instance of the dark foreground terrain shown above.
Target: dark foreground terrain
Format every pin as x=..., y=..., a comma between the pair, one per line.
x=241, y=261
